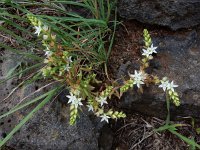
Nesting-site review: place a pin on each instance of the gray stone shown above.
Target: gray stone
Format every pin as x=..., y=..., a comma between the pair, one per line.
x=8, y=61
x=106, y=138
x=49, y=128
x=172, y=13
x=178, y=58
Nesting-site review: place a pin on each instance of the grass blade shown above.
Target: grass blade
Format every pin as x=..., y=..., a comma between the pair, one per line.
x=28, y=55
x=28, y=117
x=187, y=140
x=26, y=104
x=23, y=71
x=112, y=38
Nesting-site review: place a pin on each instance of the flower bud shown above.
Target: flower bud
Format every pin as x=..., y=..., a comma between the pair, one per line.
x=45, y=37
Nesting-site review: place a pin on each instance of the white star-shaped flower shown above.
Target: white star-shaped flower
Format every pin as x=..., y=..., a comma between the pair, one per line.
x=38, y=30
x=138, y=78
x=138, y=83
x=90, y=108
x=171, y=86
x=71, y=97
x=152, y=49
x=67, y=67
x=45, y=37
x=45, y=27
x=164, y=84
x=48, y=53
x=102, y=100
x=146, y=53
x=104, y=117
x=149, y=51
x=78, y=102
x=74, y=100
x=69, y=59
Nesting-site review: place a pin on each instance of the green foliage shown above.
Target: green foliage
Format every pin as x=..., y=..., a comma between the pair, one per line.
x=174, y=97
x=74, y=48
x=115, y=114
x=198, y=130
x=127, y=85
x=147, y=38
x=72, y=64
x=73, y=114
x=70, y=49
x=173, y=127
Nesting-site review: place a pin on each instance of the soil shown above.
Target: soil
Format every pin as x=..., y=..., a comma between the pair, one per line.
x=137, y=133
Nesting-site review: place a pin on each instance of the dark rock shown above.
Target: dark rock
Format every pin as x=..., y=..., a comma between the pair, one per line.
x=178, y=58
x=49, y=128
x=172, y=13
x=62, y=97
x=106, y=138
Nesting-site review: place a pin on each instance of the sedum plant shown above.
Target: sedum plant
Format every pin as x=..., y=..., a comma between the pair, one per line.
x=69, y=66
x=66, y=65
x=140, y=77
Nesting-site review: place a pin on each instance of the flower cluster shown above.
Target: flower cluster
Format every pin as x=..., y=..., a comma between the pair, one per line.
x=138, y=78
x=57, y=64
x=169, y=87
x=74, y=100
x=102, y=99
x=96, y=105
x=58, y=61
x=112, y=114
x=40, y=28
x=148, y=49
x=165, y=84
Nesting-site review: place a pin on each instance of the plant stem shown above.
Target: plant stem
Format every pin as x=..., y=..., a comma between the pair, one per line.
x=168, y=109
